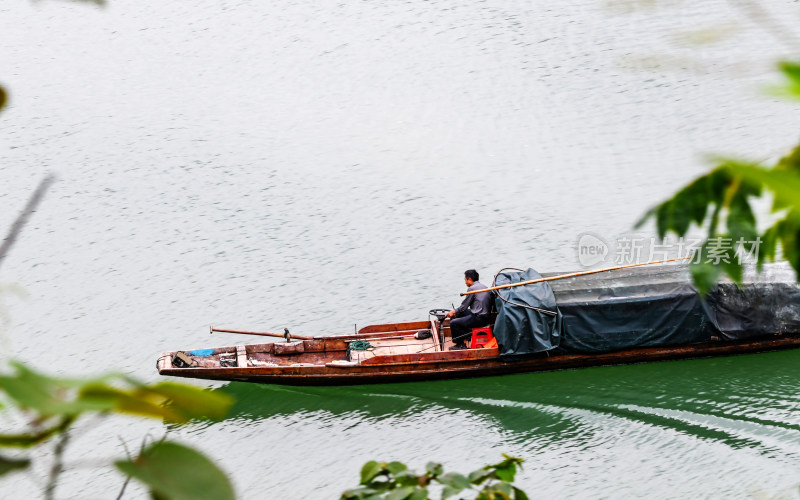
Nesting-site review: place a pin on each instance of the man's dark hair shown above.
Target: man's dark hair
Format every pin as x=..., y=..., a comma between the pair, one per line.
x=471, y=274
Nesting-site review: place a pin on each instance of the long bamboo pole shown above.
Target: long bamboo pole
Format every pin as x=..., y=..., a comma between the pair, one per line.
x=263, y=334
x=571, y=275
x=304, y=337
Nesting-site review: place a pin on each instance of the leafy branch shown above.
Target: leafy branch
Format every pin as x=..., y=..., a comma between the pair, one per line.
x=394, y=481
x=53, y=405
x=721, y=201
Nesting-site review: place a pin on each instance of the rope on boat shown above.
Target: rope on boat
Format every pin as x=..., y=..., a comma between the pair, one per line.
x=359, y=345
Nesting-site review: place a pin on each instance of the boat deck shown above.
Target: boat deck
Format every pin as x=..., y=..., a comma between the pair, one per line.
x=405, y=345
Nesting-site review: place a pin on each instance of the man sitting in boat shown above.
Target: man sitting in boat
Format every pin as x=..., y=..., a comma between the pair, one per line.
x=472, y=313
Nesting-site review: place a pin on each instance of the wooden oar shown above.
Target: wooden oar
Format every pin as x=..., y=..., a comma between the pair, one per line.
x=571, y=275
x=263, y=334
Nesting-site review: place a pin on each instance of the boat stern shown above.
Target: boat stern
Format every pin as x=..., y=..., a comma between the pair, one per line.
x=164, y=361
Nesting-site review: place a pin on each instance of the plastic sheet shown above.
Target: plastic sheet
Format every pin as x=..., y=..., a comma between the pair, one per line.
x=635, y=307
x=642, y=307
x=527, y=318
x=766, y=304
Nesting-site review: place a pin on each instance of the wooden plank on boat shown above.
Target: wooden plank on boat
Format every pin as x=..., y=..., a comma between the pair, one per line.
x=361, y=356
x=288, y=348
x=259, y=348
x=435, y=331
x=241, y=356
x=431, y=357
x=314, y=346
x=398, y=346
x=391, y=347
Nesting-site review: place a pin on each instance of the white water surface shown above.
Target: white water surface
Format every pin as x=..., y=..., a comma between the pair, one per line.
x=313, y=165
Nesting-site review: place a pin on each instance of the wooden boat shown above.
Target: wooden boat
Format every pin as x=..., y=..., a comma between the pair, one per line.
x=676, y=323
x=325, y=361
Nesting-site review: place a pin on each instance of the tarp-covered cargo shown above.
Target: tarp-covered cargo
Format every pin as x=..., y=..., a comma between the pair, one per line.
x=642, y=307
x=527, y=318
x=768, y=303
x=634, y=307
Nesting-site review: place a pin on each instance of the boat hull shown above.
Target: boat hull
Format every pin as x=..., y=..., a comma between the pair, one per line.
x=466, y=364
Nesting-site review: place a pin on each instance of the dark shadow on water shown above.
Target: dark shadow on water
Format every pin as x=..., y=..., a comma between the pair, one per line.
x=732, y=393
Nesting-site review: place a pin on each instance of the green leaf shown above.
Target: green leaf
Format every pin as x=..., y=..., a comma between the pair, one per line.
x=434, y=469
x=419, y=494
x=45, y=395
x=370, y=471
x=396, y=467
x=455, y=480
x=400, y=493
x=448, y=491
x=12, y=464
x=408, y=478
x=784, y=184
x=193, y=402
x=790, y=162
x=519, y=494
x=497, y=491
x=769, y=245
x=49, y=397
x=27, y=440
x=357, y=493
x=504, y=488
x=705, y=276
x=138, y=403
x=506, y=473
x=789, y=236
x=508, y=460
x=727, y=190
x=174, y=402
x=175, y=472
x=717, y=256
x=690, y=204
x=479, y=476
x=791, y=71
x=741, y=222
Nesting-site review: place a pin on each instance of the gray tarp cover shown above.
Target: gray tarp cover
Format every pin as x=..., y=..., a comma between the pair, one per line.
x=645, y=306
x=521, y=330
x=636, y=307
x=767, y=304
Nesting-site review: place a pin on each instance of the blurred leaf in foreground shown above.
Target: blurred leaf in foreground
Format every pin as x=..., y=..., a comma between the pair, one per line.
x=175, y=472
x=10, y=465
x=64, y=398
x=721, y=202
x=791, y=88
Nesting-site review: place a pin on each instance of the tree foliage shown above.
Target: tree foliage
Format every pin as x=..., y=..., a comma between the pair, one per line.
x=394, y=481
x=722, y=201
x=52, y=406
